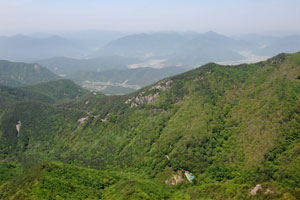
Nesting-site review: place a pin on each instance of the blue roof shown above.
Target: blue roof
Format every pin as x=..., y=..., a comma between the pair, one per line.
x=191, y=177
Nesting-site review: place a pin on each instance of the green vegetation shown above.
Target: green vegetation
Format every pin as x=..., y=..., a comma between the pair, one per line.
x=59, y=90
x=51, y=92
x=18, y=74
x=122, y=81
x=59, y=181
x=233, y=127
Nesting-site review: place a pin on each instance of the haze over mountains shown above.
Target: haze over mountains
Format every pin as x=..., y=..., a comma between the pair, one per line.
x=36, y=46
x=159, y=45
x=149, y=100
x=76, y=53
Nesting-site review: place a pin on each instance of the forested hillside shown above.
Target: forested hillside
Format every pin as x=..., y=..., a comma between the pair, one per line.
x=232, y=127
x=18, y=74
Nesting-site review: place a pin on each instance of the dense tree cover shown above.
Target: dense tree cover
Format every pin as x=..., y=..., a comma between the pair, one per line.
x=18, y=74
x=58, y=181
x=232, y=126
x=60, y=90
x=51, y=92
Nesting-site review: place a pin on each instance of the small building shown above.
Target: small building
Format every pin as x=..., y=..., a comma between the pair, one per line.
x=190, y=177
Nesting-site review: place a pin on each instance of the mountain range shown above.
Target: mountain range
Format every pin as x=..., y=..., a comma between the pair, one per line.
x=172, y=48
x=214, y=132
x=164, y=50
x=37, y=46
x=177, y=48
x=69, y=55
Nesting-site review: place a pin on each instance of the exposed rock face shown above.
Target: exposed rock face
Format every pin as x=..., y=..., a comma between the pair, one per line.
x=18, y=127
x=139, y=100
x=175, y=179
x=167, y=156
x=82, y=120
x=255, y=189
x=142, y=99
x=162, y=85
x=146, y=99
x=277, y=60
x=178, y=177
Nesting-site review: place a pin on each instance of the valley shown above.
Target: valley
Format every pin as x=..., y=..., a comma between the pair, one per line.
x=149, y=100
x=233, y=128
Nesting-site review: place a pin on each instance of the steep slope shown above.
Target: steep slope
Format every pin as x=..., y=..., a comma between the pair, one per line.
x=31, y=113
x=93, y=39
x=50, y=92
x=218, y=122
x=58, y=90
x=233, y=127
x=18, y=74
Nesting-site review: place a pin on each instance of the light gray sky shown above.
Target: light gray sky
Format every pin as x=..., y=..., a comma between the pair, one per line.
x=224, y=16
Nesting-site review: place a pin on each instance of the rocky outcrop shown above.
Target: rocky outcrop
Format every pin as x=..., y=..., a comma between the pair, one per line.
x=179, y=177
x=82, y=120
x=153, y=94
x=255, y=189
x=258, y=188
x=18, y=127
x=175, y=179
x=140, y=100
x=167, y=156
x=162, y=85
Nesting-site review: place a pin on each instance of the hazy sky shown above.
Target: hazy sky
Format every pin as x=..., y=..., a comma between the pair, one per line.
x=224, y=16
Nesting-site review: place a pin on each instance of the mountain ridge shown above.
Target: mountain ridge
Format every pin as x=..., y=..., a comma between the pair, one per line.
x=19, y=73
x=233, y=127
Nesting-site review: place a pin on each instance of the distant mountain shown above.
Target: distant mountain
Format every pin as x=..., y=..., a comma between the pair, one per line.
x=270, y=45
x=93, y=39
x=192, y=49
x=37, y=46
x=289, y=44
x=178, y=48
x=18, y=74
x=208, y=47
x=27, y=49
x=146, y=45
x=66, y=66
